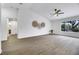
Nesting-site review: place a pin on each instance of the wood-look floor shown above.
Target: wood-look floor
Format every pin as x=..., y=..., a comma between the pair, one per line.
x=41, y=45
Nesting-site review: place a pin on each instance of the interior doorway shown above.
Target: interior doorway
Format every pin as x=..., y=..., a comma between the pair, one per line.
x=12, y=26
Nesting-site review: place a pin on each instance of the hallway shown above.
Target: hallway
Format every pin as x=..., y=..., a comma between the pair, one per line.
x=41, y=45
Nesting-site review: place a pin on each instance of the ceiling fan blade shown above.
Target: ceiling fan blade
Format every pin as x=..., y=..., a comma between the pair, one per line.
x=54, y=14
x=61, y=13
x=58, y=11
x=57, y=14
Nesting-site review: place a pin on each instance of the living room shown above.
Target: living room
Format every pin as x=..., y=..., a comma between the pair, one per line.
x=39, y=28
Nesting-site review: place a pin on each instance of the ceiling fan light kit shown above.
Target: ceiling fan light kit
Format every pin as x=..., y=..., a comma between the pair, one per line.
x=57, y=12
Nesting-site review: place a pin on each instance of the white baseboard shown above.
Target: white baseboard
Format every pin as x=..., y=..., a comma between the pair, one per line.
x=20, y=37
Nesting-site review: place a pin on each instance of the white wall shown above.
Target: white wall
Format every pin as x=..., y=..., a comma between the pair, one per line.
x=56, y=26
x=5, y=14
x=9, y=12
x=0, y=29
x=25, y=29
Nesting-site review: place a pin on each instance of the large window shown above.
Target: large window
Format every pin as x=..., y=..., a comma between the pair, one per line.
x=72, y=26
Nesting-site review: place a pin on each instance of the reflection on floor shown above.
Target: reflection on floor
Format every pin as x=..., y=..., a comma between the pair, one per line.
x=41, y=45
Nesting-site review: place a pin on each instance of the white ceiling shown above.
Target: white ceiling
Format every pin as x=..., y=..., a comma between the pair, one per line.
x=44, y=9
x=15, y=5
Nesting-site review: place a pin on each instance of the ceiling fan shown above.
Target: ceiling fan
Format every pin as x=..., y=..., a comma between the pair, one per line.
x=57, y=12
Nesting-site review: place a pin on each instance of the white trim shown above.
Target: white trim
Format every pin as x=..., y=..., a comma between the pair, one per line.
x=0, y=51
x=20, y=37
